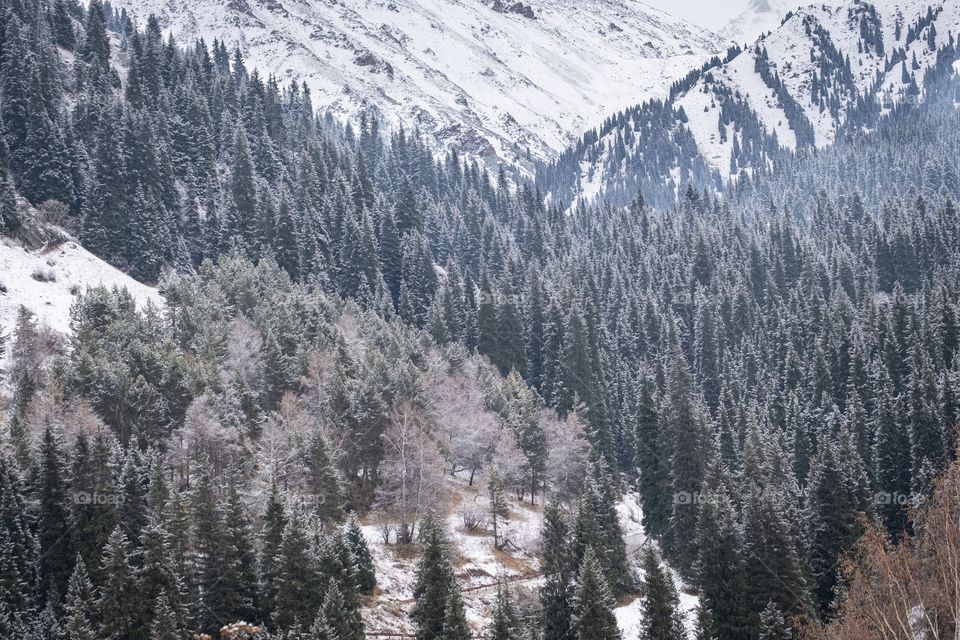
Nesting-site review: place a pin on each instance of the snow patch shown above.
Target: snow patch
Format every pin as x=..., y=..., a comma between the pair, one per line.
x=47, y=281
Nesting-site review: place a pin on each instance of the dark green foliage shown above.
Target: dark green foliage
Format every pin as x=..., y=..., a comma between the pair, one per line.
x=54, y=533
x=661, y=615
x=365, y=576
x=503, y=623
x=121, y=616
x=434, y=583
x=593, y=604
x=297, y=574
x=556, y=594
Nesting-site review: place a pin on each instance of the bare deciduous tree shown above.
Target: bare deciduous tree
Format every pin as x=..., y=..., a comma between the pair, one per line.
x=412, y=473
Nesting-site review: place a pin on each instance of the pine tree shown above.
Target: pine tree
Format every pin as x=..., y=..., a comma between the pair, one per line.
x=434, y=581
x=79, y=608
x=772, y=624
x=121, y=616
x=593, y=617
x=297, y=575
x=366, y=578
x=661, y=616
x=54, y=533
x=503, y=625
x=558, y=570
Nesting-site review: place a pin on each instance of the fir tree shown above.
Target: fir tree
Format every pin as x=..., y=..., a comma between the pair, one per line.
x=366, y=578
x=54, y=533
x=79, y=608
x=121, y=616
x=558, y=570
x=661, y=616
x=455, y=625
x=503, y=625
x=593, y=617
x=434, y=581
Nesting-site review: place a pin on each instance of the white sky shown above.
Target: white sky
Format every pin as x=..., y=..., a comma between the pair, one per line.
x=711, y=14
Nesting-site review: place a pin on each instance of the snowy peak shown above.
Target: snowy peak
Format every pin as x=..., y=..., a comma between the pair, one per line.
x=828, y=68
x=506, y=79
x=760, y=17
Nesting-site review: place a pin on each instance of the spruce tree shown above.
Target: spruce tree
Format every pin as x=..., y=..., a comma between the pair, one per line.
x=353, y=534
x=661, y=615
x=434, y=580
x=773, y=626
x=503, y=625
x=121, y=616
x=557, y=565
x=593, y=617
x=455, y=626
x=499, y=509
x=274, y=523
x=54, y=533
x=720, y=568
x=79, y=608
x=165, y=625
x=297, y=576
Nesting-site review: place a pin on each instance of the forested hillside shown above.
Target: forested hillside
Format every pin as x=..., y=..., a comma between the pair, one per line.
x=349, y=321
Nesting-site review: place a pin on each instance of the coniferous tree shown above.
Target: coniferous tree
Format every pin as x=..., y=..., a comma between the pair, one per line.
x=121, y=616
x=166, y=624
x=593, y=617
x=79, y=608
x=455, y=626
x=54, y=534
x=684, y=428
x=503, y=624
x=720, y=568
x=773, y=626
x=365, y=575
x=661, y=616
x=297, y=575
x=274, y=522
x=434, y=582
x=558, y=570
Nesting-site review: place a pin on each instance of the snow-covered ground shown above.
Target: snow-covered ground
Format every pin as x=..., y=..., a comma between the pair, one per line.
x=479, y=566
x=475, y=75
x=48, y=280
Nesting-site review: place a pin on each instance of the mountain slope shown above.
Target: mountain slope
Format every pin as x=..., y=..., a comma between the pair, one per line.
x=825, y=70
x=489, y=79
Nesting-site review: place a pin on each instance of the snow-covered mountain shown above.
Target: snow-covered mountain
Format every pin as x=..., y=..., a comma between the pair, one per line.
x=827, y=68
x=760, y=17
x=491, y=78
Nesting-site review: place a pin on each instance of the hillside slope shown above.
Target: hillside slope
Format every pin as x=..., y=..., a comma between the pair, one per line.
x=46, y=276
x=490, y=79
